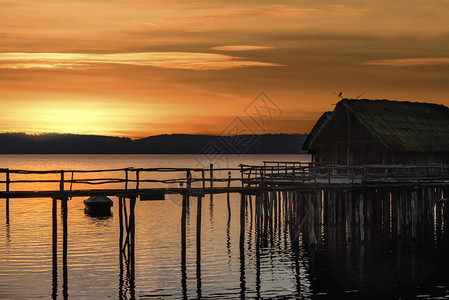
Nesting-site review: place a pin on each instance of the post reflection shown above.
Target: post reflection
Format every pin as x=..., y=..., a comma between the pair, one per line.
x=242, y=245
x=64, y=217
x=183, y=247
x=198, y=247
x=127, y=248
x=54, y=250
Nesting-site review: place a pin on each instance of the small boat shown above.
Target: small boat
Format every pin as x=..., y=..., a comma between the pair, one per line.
x=98, y=206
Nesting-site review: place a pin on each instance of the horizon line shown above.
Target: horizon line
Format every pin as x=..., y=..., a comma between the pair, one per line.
x=138, y=137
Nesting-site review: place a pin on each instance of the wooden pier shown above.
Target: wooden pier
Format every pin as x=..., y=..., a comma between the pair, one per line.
x=247, y=179
x=309, y=200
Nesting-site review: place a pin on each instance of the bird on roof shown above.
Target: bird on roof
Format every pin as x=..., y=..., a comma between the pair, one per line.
x=339, y=94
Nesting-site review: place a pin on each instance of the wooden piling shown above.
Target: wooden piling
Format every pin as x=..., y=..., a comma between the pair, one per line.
x=120, y=212
x=349, y=217
x=137, y=179
x=242, y=246
x=362, y=217
x=126, y=179
x=228, y=196
x=311, y=220
x=132, y=245
x=274, y=208
x=198, y=246
x=258, y=213
x=61, y=183
x=211, y=182
x=54, y=249
x=184, y=246
x=203, y=179
x=64, y=245
x=8, y=181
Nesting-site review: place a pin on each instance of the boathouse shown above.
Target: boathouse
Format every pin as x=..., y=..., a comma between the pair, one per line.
x=362, y=132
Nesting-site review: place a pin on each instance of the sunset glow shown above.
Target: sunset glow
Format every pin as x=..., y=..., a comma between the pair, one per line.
x=138, y=68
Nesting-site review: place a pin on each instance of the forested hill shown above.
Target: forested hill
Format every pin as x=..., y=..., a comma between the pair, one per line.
x=52, y=143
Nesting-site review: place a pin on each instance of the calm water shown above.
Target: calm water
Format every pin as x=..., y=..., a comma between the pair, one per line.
x=278, y=266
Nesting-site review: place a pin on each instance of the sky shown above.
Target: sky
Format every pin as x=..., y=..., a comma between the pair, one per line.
x=137, y=68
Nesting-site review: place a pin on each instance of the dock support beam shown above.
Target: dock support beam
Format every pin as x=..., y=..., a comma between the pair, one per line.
x=54, y=249
x=7, y=199
x=198, y=247
x=64, y=215
x=242, y=246
x=211, y=181
x=183, y=246
x=64, y=248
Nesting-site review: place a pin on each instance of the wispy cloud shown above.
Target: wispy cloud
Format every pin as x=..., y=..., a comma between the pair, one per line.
x=240, y=48
x=168, y=60
x=407, y=62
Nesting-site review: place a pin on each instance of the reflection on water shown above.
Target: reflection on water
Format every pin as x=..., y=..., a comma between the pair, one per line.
x=294, y=245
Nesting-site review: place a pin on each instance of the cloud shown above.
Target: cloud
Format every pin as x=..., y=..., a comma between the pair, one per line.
x=408, y=62
x=240, y=48
x=167, y=60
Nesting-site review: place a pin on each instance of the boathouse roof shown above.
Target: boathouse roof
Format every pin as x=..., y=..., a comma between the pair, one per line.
x=401, y=126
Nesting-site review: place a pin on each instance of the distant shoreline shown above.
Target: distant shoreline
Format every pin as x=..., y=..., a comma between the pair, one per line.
x=52, y=143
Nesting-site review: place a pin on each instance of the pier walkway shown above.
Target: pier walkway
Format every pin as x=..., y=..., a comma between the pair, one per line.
x=149, y=183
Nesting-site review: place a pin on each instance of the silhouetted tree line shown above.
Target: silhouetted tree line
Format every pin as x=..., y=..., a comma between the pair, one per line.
x=53, y=143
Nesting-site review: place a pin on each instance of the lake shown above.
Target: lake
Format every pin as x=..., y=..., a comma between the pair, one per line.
x=277, y=266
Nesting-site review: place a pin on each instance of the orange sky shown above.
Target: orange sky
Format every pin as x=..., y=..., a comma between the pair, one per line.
x=137, y=68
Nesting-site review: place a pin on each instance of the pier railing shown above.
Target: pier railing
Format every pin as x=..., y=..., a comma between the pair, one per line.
x=269, y=174
x=129, y=178
x=288, y=172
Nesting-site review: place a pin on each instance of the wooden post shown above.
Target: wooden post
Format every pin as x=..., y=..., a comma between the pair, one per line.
x=211, y=172
x=242, y=247
x=258, y=236
x=241, y=175
x=71, y=182
x=198, y=247
x=362, y=217
x=54, y=249
x=61, y=183
x=120, y=211
x=203, y=179
x=312, y=237
x=183, y=246
x=132, y=244
x=126, y=179
x=414, y=212
x=348, y=208
x=228, y=195
x=348, y=150
x=274, y=209
x=211, y=184
x=189, y=181
x=258, y=212
x=64, y=245
x=8, y=181
x=137, y=180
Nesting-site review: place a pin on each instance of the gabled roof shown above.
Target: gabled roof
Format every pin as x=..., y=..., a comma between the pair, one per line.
x=401, y=126
x=316, y=128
